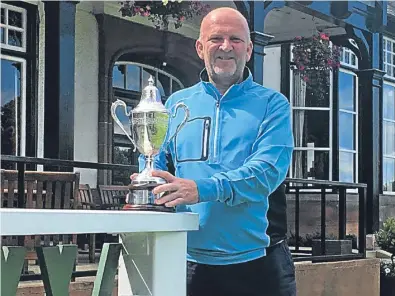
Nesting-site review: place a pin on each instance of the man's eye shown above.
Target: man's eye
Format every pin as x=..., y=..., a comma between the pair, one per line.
x=215, y=39
x=236, y=40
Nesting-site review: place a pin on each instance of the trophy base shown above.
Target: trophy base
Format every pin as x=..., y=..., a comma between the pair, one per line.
x=141, y=197
x=148, y=207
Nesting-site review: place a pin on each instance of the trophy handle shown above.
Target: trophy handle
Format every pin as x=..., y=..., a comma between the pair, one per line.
x=114, y=106
x=184, y=121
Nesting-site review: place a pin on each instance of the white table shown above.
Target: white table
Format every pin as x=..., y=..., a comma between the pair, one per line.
x=155, y=263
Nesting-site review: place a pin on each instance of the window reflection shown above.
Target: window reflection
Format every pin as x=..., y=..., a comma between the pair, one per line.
x=389, y=138
x=118, y=76
x=15, y=38
x=3, y=16
x=311, y=128
x=10, y=106
x=14, y=19
x=389, y=102
x=133, y=78
x=346, y=167
x=346, y=91
x=122, y=155
x=311, y=164
x=120, y=112
x=346, y=131
x=389, y=174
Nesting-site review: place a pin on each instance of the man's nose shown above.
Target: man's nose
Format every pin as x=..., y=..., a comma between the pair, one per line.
x=226, y=45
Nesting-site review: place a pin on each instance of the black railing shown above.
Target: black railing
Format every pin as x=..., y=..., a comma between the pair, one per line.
x=297, y=187
x=306, y=187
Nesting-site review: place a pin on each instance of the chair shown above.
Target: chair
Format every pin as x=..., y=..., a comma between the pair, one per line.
x=43, y=190
x=85, y=201
x=110, y=194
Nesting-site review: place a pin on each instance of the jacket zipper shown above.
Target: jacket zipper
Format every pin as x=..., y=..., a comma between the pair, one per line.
x=205, y=137
x=217, y=104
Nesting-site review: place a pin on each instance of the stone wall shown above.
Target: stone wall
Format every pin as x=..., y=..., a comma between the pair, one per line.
x=359, y=277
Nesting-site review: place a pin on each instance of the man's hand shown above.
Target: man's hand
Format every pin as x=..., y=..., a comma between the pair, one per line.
x=181, y=191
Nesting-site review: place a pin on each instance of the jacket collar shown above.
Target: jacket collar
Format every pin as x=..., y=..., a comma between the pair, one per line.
x=212, y=90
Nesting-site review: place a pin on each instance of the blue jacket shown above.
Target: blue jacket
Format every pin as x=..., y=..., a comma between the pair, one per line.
x=237, y=148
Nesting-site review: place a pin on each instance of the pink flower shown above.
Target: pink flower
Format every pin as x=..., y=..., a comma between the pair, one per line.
x=182, y=18
x=298, y=38
x=301, y=67
x=323, y=36
x=305, y=78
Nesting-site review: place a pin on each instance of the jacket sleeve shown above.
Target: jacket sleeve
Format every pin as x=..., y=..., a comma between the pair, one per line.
x=264, y=170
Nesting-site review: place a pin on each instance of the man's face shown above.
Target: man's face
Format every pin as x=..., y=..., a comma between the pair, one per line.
x=225, y=47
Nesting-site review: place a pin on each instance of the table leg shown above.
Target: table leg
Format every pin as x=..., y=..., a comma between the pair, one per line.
x=153, y=264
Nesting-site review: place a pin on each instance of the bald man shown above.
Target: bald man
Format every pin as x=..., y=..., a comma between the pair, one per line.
x=230, y=160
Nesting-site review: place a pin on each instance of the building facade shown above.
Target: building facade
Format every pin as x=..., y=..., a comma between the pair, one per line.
x=64, y=63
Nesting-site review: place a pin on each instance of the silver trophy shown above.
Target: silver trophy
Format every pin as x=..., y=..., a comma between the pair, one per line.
x=149, y=122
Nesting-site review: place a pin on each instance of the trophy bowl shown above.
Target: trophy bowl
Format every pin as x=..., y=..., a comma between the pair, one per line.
x=149, y=122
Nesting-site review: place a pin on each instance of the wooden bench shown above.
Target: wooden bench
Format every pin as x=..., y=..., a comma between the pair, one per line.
x=43, y=190
x=109, y=196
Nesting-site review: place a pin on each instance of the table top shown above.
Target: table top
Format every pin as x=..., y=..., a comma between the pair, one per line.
x=15, y=221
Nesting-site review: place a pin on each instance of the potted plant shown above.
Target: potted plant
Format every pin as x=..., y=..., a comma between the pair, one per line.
x=159, y=12
x=385, y=239
x=313, y=59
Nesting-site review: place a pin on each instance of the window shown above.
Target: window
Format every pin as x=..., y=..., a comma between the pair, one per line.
x=13, y=80
x=389, y=57
x=348, y=126
x=388, y=137
x=13, y=28
x=13, y=105
x=129, y=79
x=348, y=58
x=312, y=130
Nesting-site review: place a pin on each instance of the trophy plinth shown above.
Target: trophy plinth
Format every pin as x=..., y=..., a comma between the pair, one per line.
x=149, y=127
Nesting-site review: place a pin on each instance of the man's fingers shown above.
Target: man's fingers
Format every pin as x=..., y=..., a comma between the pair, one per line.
x=166, y=198
x=163, y=174
x=175, y=202
x=170, y=187
x=133, y=176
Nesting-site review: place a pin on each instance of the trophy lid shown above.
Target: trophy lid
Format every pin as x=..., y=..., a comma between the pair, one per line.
x=151, y=99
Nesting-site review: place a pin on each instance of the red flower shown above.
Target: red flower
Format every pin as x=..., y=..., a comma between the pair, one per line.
x=323, y=36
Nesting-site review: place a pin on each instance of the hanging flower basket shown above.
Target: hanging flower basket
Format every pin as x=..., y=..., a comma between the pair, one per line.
x=313, y=59
x=159, y=12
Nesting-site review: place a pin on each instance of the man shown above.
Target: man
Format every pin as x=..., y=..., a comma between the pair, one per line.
x=233, y=153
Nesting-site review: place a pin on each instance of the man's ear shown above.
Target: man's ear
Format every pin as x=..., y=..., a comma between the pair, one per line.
x=249, y=50
x=199, y=49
